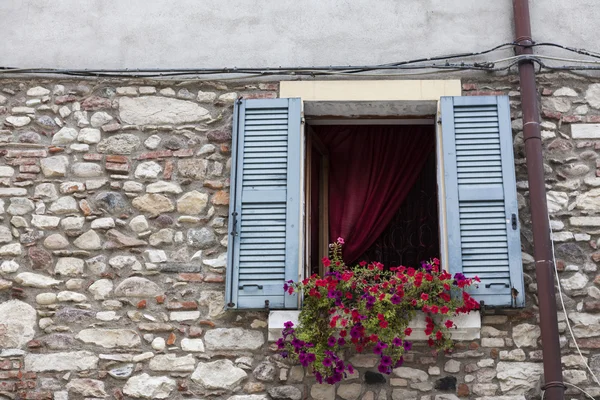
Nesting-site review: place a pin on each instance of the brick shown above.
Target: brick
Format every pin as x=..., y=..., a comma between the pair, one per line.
x=589, y=343
x=572, y=118
x=118, y=168
x=7, y=386
x=35, y=395
x=551, y=115
x=54, y=149
x=469, y=86
x=593, y=118
x=221, y=198
x=462, y=390
x=22, y=161
x=213, y=184
x=26, y=153
x=183, y=305
x=65, y=99
x=168, y=171
x=25, y=177
x=95, y=103
x=34, y=169
x=591, y=306
x=155, y=154
x=214, y=278
x=93, y=157
x=171, y=339
x=183, y=153
x=261, y=95
x=25, y=385
x=190, y=277
x=195, y=331
x=225, y=148
x=116, y=159
x=9, y=375
x=485, y=93
x=111, y=127
x=268, y=86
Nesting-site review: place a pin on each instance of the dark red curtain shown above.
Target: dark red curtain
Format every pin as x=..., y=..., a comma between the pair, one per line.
x=372, y=170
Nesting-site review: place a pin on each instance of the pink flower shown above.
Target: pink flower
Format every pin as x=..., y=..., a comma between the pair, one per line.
x=340, y=240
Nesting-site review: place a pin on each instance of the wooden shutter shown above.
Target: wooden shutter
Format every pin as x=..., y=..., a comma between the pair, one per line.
x=264, y=220
x=481, y=197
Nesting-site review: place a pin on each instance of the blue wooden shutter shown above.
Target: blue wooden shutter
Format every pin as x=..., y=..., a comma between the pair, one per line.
x=264, y=220
x=481, y=197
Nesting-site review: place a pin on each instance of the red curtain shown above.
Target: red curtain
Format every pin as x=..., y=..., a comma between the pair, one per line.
x=372, y=170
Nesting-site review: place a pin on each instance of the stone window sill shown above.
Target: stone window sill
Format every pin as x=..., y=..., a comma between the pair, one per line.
x=469, y=325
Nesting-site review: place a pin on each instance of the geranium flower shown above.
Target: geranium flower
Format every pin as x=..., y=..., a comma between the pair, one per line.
x=424, y=296
x=407, y=331
x=326, y=261
x=449, y=324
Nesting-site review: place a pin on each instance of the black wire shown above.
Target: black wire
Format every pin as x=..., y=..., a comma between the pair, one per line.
x=415, y=64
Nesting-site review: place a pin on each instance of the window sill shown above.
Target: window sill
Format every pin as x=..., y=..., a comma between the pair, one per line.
x=469, y=325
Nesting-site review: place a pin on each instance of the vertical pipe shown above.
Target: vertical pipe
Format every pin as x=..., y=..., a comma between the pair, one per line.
x=544, y=264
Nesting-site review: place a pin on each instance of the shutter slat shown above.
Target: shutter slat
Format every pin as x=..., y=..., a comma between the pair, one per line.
x=481, y=196
x=265, y=188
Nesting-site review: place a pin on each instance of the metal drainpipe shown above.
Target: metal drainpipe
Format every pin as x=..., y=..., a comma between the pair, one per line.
x=544, y=264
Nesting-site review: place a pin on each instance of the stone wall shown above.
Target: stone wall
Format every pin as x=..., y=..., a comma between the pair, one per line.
x=114, y=202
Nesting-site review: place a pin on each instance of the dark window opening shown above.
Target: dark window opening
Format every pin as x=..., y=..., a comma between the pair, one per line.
x=411, y=234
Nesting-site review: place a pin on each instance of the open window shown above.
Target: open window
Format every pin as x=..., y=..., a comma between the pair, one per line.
x=460, y=203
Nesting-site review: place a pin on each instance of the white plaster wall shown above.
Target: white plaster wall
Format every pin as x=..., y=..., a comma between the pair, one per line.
x=253, y=33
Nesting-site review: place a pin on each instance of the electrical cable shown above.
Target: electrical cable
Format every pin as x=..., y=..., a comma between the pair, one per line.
x=562, y=302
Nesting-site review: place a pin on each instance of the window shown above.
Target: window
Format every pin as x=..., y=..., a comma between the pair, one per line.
x=476, y=187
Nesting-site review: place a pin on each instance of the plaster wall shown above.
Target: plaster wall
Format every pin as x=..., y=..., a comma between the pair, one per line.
x=252, y=33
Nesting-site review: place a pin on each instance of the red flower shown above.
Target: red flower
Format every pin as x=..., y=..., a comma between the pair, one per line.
x=348, y=295
x=383, y=324
x=439, y=335
x=380, y=316
x=424, y=296
x=434, y=309
x=326, y=261
x=444, y=310
x=362, y=263
x=407, y=331
x=343, y=333
x=374, y=338
x=449, y=324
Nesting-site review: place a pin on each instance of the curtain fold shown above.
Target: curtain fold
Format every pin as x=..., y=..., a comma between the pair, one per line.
x=372, y=170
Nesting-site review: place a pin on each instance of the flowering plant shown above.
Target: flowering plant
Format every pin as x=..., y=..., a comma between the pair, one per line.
x=369, y=309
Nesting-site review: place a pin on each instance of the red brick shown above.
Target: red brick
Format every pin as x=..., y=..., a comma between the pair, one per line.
x=85, y=207
x=25, y=177
x=462, y=390
x=95, y=103
x=214, y=278
x=118, y=168
x=268, y=86
x=65, y=99
x=22, y=161
x=116, y=159
x=546, y=92
x=25, y=385
x=168, y=172
x=593, y=118
x=569, y=119
x=485, y=93
x=184, y=153
x=93, y=157
x=221, y=198
x=190, y=277
x=29, y=168
x=213, y=184
x=34, y=395
x=7, y=386
x=111, y=127
x=171, y=339
x=469, y=86
x=183, y=305
x=9, y=374
x=54, y=149
x=261, y=95
x=141, y=304
x=195, y=331
x=155, y=154
x=225, y=148
x=591, y=306
x=26, y=153
x=212, y=324
x=160, y=299
x=589, y=343
x=551, y=114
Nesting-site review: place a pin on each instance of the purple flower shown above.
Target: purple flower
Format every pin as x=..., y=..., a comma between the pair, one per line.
x=379, y=347
x=386, y=361
x=350, y=368
x=383, y=369
x=310, y=357
x=331, y=341
x=399, y=362
x=280, y=343
x=340, y=367
x=284, y=354
x=319, y=377
x=297, y=343
x=341, y=341
x=288, y=324
x=397, y=342
x=407, y=345
x=331, y=294
x=395, y=299
x=327, y=362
